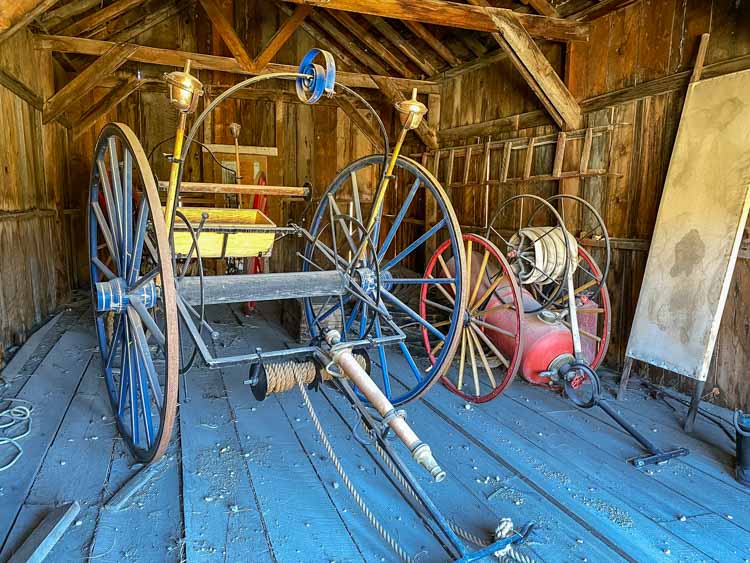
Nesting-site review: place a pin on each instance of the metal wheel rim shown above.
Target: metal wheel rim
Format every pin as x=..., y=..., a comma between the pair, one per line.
x=515, y=360
x=449, y=222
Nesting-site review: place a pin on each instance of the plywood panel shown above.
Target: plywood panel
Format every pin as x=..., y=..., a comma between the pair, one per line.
x=701, y=216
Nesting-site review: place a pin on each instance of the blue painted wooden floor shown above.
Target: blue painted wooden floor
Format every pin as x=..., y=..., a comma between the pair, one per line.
x=249, y=481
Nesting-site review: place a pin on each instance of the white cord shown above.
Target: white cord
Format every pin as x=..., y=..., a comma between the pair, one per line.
x=12, y=417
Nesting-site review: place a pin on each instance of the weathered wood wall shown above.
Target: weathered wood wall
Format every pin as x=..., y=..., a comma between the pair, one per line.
x=34, y=268
x=613, y=75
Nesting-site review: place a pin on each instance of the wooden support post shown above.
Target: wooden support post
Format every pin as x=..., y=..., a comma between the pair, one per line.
x=109, y=102
x=230, y=37
x=100, y=69
x=45, y=536
x=281, y=36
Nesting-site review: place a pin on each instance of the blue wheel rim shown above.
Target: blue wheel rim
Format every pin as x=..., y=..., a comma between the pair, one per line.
x=417, y=379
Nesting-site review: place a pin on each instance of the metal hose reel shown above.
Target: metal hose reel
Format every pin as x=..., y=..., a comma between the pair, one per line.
x=544, y=254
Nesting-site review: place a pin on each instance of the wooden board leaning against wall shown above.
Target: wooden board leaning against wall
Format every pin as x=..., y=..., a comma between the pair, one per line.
x=633, y=73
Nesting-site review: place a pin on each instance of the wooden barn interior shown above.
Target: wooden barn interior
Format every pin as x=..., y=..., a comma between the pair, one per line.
x=618, y=129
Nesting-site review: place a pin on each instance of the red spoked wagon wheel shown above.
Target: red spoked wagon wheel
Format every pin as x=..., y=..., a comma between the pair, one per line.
x=490, y=351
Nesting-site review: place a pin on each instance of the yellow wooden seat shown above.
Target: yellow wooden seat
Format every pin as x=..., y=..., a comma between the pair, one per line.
x=227, y=232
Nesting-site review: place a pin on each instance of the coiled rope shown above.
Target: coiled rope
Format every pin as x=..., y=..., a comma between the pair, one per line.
x=345, y=478
x=12, y=417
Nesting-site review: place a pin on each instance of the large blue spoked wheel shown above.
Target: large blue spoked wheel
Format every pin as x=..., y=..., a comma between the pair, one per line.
x=133, y=291
x=386, y=276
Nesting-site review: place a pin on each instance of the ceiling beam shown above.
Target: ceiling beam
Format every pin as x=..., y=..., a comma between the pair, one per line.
x=17, y=14
x=393, y=94
x=281, y=36
x=100, y=69
x=109, y=102
x=170, y=57
x=402, y=44
x=100, y=17
x=452, y=14
x=375, y=44
x=227, y=33
x=435, y=44
x=57, y=16
x=600, y=9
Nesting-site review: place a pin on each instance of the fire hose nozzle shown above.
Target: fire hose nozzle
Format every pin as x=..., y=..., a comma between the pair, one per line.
x=423, y=456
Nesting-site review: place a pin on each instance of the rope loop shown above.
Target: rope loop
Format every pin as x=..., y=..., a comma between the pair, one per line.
x=319, y=79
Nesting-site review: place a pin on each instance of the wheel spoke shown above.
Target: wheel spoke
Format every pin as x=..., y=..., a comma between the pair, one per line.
x=383, y=360
x=117, y=187
x=116, y=336
x=355, y=197
x=490, y=345
x=483, y=357
x=124, y=381
x=494, y=309
x=152, y=274
x=580, y=289
x=474, y=371
x=353, y=316
x=127, y=205
x=140, y=236
x=437, y=305
x=446, y=272
x=480, y=276
x=410, y=361
x=141, y=348
x=462, y=361
x=489, y=291
x=145, y=403
x=103, y=268
x=398, y=219
x=585, y=333
x=413, y=246
x=149, y=321
x=108, y=236
x=494, y=328
x=534, y=267
x=428, y=281
x=336, y=212
x=113, y=206
x=413, y=314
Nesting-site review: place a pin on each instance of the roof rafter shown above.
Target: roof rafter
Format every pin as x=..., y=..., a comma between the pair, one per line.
x=17, y=14
x=282, y=35
x=224, y=27
x=435, y=44
x=100, y=17
x=372, y=42
x=402, y=44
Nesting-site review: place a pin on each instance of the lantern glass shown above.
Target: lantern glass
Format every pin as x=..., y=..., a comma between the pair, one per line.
x=411, y=112
x=184, y=90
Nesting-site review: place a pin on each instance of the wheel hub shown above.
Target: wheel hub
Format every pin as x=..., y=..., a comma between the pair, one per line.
x=115, y=296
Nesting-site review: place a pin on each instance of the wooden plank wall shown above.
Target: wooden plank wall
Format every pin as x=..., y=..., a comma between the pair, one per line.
x=34, y=271
x=644, y=41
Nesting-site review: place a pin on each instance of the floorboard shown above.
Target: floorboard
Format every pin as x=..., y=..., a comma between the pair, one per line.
x=247, y=480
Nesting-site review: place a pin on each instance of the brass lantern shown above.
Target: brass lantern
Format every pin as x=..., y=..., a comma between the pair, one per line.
x=184, y=89
x=411, y=112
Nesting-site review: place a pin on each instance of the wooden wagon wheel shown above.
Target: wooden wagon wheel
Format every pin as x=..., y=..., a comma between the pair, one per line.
x=386, y=278
x=493, y=291
x=132, y=281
